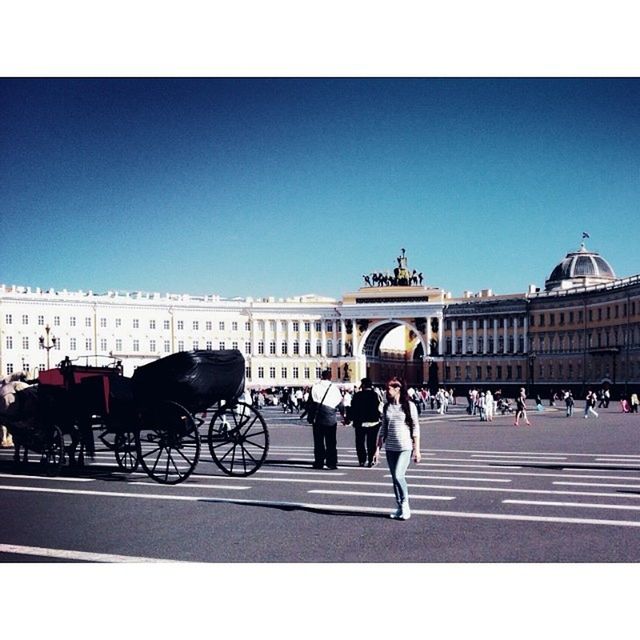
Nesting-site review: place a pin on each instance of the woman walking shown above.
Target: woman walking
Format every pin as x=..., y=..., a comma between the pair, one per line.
x=590, y=404
x=400, y=432
x=521, y=408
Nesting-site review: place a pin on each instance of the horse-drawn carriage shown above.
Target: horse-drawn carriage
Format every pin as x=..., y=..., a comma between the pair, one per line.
x=152, y=420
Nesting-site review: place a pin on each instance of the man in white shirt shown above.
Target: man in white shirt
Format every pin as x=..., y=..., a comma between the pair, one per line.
x=326, y=397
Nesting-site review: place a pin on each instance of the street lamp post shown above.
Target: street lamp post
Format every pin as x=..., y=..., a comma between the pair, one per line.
x=48, y=342
x=532, y=371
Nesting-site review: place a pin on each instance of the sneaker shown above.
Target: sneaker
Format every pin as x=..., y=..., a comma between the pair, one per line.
x=405, y=512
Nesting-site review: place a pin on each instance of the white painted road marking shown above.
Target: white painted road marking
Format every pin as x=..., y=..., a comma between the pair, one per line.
x=541, y=474
x=421, y=477
x=598, y=484
x=384, y=511
x=379, y=495
x=191, y=485
x=36, y=477
x=295, y=480
x=589, y=505
x=533, y=456
x=67, y=554
x=534, y=453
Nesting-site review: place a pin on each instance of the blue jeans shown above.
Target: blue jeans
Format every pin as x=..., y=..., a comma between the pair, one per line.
x=398, y=462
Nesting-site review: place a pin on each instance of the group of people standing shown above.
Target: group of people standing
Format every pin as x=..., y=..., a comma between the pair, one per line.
x=391, y=421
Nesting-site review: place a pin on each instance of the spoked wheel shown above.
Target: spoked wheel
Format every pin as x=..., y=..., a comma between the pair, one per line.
x=168, y=444
x=238, y=439
x=107, y=438
x=53, y=452
x=126, y=451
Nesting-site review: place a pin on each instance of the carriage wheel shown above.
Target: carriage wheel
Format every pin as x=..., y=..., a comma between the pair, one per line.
x=168, y=443
x=107, y=438
x=126, y=451
x=238, y=439
x=53, y=452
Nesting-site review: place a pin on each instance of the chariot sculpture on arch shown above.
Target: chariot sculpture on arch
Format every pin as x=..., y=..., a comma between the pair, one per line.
x=402, y=276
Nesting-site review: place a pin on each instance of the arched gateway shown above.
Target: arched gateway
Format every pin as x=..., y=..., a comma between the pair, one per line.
x=393, y=326
x=404, y=357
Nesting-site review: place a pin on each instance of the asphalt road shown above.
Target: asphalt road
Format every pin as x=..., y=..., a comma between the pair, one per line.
x=560, y=490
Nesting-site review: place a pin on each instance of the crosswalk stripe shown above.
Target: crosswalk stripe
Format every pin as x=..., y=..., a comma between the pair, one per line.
x=543, y=474
x=597, y=484
x=350, y=508
x=68, y=554
x=551, y=453
x=586, y=505
x=191, y=485
x=37, y=477
x=428, y=464
x=412, y=477
x=377, y=495
x=533, y=456
x=108, y=494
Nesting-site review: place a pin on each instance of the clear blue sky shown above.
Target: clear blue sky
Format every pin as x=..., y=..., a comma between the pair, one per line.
x=254, y=187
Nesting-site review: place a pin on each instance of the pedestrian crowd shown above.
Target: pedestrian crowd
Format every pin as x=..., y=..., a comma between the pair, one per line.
x=388, y=417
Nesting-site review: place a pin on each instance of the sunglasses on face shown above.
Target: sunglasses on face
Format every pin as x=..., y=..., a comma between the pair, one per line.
x=394, y=386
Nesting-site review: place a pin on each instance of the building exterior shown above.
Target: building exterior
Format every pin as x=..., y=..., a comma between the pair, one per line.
x=582, y=331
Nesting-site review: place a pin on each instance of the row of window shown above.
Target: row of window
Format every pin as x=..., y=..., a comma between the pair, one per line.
x=601, y=313
x=594, y=339
x=180, y=324
x=567, y=371
x=480, y=345
x=284, y=373
x=511, y=321
x=75, y=343
x=295, y=347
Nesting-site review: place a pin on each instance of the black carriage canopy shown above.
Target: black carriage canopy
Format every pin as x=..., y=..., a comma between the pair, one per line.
x=195, y=379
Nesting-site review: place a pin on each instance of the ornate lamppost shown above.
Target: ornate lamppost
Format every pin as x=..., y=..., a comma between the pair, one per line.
x=47, y=342
x=532, y=371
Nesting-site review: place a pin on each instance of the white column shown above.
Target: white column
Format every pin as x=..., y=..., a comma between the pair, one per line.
x=312, y=338
x=354, y=339
x=475, y=336
x=429, y=337
x=290, y=337
x=323, y=338
x=254, y=337
x=453, y=335
x=495, y=335
x=334, y=348
x=505, y=334
x=485, y=335
x=515, y=335
x=276, y=337
x=440, y=336
x=525, y=328
x=343, y=338
x=464, y=337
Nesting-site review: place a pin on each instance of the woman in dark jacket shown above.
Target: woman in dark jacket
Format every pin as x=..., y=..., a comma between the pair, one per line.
x=364, y=413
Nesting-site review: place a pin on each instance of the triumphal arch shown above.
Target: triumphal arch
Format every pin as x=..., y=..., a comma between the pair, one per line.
x=393, y=326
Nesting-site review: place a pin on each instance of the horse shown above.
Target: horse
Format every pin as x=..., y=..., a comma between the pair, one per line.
x=28, y=410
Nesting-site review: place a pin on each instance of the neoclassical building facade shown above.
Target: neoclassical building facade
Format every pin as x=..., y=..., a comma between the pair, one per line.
x=582, y=330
